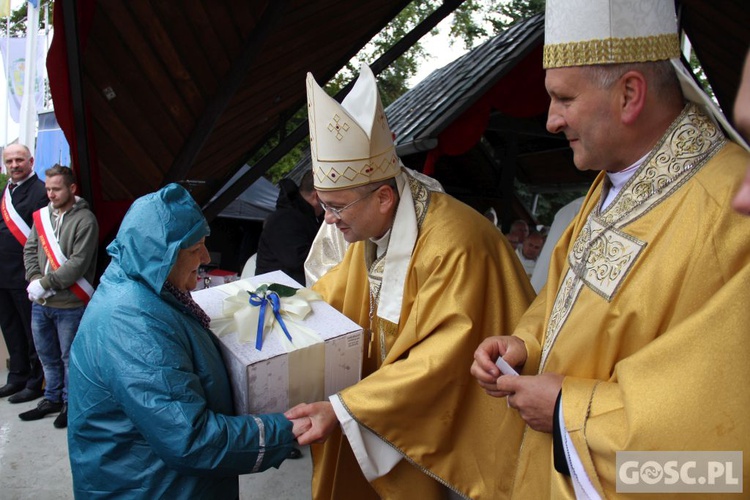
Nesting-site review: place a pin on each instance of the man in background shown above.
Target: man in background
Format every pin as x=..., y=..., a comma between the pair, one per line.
x=562, y=220
x=23, y=195
x=290, y=230
x=60, y=260
x=519, y=230
x=528, y=252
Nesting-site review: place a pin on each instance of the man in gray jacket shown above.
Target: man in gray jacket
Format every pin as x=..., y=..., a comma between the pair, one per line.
x=60, y=260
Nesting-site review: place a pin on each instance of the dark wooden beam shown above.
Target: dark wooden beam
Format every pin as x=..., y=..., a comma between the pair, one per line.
x=83, y=167
x=237, y=74
x=212, y=209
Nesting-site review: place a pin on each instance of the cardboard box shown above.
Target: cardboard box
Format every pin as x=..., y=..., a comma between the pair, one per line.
x=272, y=380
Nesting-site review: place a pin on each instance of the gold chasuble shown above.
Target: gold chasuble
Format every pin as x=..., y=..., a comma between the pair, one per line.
x=417, y=395
x=647, y=314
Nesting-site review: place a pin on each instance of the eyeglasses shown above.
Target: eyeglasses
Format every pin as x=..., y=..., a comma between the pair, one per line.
x=337, y=211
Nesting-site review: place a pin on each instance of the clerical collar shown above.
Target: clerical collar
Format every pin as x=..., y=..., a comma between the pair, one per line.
x=381, y=244
x=618, y=179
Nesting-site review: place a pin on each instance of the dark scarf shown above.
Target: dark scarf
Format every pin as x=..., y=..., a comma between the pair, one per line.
x=187, y=300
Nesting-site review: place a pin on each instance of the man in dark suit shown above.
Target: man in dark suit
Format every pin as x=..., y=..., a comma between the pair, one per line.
x=23, y=195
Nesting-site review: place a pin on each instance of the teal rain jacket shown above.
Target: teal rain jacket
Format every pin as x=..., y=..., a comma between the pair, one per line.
x=149, y=399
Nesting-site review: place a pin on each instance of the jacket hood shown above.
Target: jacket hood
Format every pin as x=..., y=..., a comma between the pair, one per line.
x=155, y=228
x=79, y=204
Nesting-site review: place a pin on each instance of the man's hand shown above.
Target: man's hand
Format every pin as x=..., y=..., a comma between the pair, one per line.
x=322, y=419
x=35, y=290
x=512, y=349
x=534, y=397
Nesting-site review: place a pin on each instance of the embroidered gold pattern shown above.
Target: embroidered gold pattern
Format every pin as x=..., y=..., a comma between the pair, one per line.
x=611, y=51
x=603, y=253
x=335, y=126
x=689, y=142
x=387, y=330
x=357, y=175
x=603, y=262
x=421, y=196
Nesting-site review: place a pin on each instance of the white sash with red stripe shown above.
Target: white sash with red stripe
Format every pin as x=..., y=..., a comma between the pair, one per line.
x=15, y=222
x=51, y=246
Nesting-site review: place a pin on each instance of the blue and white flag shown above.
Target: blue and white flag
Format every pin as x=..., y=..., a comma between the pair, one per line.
x=14, y=59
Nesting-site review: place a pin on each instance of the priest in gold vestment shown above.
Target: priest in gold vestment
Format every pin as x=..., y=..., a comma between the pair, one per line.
x=639, y=341
x=428, y=278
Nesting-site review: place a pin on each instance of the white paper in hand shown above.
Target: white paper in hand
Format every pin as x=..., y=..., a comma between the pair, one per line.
x=505, y=368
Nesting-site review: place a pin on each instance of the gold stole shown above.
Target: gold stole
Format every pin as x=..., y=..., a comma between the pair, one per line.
x=603, y=253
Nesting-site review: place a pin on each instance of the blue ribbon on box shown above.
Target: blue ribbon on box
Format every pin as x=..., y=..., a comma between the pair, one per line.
x=243, y=309
x=272, y=299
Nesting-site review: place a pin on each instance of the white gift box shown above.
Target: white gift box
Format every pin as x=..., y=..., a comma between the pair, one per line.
x=272, y=380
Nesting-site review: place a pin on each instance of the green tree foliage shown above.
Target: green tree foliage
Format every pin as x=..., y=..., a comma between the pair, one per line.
x=18, y=19
x=392, y=82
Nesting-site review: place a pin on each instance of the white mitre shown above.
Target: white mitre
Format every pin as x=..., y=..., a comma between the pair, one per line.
x=590, y=32
x=586, y=32
x=350, y=143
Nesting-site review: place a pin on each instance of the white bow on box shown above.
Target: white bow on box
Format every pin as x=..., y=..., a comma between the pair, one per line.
x=271, y=309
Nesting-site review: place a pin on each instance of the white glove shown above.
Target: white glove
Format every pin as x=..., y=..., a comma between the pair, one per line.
x=37, y=292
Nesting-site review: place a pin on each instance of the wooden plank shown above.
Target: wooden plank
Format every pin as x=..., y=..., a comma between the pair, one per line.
x=141, y=70
x=219, y=102
x=133, y=156
x=188, y=50
x=207, y=33
x=155, y=128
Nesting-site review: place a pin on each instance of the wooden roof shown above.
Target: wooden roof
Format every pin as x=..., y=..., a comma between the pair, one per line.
x=153, y=92
x=187, y=91
x=514, y=143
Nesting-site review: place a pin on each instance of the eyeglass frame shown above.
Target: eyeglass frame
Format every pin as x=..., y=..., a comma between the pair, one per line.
x=336, y=212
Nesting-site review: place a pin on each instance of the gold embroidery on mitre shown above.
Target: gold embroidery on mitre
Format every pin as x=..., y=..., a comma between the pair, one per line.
x=612, y=51
x=344, y=152
x=335, y=126
x=355, y=174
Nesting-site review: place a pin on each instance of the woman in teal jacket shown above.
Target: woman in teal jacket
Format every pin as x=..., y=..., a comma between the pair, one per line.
x=150, y=405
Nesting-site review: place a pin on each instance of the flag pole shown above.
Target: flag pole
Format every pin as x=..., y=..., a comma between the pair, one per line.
x=8, y=82
x=47, y=103
x=27, y=132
